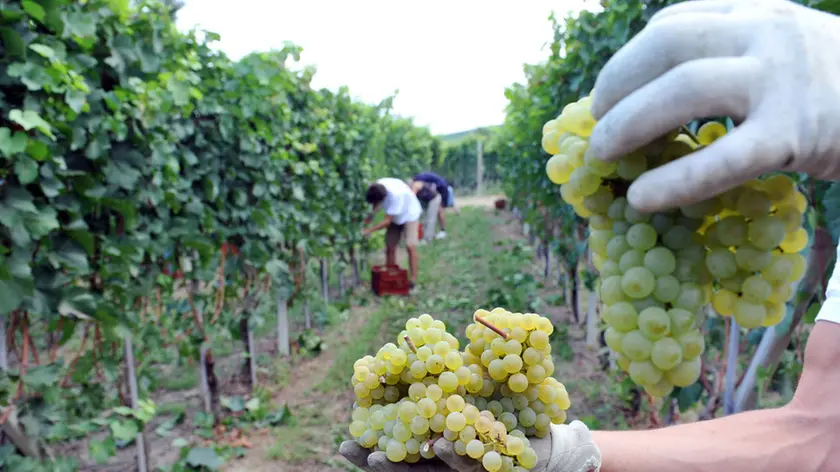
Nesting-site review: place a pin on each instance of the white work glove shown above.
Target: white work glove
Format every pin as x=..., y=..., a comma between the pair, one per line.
x=569, y=448
x=766, y=63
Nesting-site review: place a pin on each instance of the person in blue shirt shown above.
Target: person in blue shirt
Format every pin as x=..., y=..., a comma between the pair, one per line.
x=434, y=193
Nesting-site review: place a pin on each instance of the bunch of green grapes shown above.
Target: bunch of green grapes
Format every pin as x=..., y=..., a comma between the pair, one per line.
x=658, y=271
x=423, y=388
x=754, y=244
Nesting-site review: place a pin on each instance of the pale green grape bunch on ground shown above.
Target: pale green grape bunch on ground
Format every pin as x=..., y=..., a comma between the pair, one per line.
x=487, y=399
x=659, y=271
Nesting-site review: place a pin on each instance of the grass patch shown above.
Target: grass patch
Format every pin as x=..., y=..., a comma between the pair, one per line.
x=181, y=378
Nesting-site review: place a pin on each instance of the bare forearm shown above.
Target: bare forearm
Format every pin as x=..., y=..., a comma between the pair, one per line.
x=759, y=441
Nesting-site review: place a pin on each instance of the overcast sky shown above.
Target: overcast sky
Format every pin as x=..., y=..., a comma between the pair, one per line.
x=450, y=59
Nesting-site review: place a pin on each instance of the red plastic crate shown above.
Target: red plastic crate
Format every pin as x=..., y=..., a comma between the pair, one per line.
x=420, y=232
x=389, y=280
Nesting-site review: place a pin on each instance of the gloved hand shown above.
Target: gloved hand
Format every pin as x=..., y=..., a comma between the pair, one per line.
x=766, y=63
x=569, y=448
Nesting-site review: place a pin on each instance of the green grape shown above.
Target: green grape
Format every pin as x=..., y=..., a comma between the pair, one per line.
x=778, y=270
x=434, y=392
x=455, y=421
x=723, y=301
x=611, y=291
x=508, y=419
x=584, y=182
x=513, y=347
x=620, y=227
x=667, y=288
x=677, y=237
x=395, y=451
x=531, y=356
x=492, y=461
x=748, y=314
x=721, y=263
x=417, y=391
x=412, y=446
x=681, y=321
x=666, y=354
x=756, y=290
x=512, y=364
x=527, y=418
x=631, y=166
x=448, y=382
x=437, y=423
x=663, y=388
x=401, y=432
x=617, y=247
x=753, y=203
x=661, y=222
x=538, y=339
x=369, y=439
x=660, y=261
x=483, y=424
x=496, y=370
x=536, y=374
x=636, y=346
x=638, y=282
x=358, y=428
x=699, y=210
x=455, y=403
x=435, y=364
x=613, y=339
x=732, y=230
x=518, y=383
x=693, y=344
x=419, y=425
x=644, y=373
x=617, y=208
x=559, y=169
x=691, y=297
x=630, y=259
x=598, y=202
x=426, y=407
x=609, y=269
x=641, y=236
x=766, y=232
x=752, y=259
x=623, y=317
x=475, y=449
x=528, y=458
x=684, y=374
x=453, y=360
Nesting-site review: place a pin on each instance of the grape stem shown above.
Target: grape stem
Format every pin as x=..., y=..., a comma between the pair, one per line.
x=490, y=325
x=684, y=129
x=430, y=443
x=410, y=344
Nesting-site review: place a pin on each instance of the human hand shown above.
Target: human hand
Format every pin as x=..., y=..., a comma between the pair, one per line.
x=569, y=448
x=766, y=63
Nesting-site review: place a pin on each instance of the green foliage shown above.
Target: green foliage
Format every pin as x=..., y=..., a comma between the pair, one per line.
x=130, y=151
x=459, y=159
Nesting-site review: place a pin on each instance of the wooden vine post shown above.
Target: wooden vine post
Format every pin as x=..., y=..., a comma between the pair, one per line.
x=325, y=282
x=142, y=452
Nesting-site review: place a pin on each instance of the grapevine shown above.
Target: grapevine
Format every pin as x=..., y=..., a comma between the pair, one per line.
x=487, y=399
x=738, y=251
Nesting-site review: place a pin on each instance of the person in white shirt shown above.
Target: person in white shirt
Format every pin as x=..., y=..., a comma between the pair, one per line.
x=768, y=64
x=402, y=219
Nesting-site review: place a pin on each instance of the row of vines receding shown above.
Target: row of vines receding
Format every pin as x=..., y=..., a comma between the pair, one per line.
x=156, y=197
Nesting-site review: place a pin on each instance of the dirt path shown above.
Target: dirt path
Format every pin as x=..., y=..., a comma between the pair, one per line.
x=306, y=444
x=321, y=414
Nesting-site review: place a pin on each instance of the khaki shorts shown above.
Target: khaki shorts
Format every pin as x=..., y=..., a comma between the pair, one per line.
x=409, y=232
